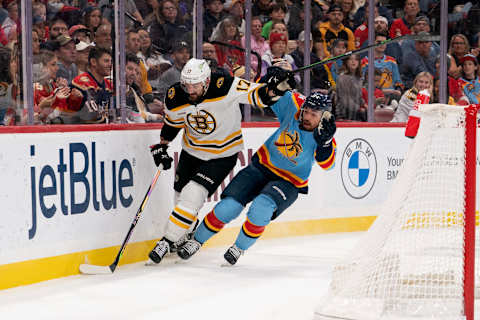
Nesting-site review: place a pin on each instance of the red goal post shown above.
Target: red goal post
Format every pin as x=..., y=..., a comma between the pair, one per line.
x=417, y=260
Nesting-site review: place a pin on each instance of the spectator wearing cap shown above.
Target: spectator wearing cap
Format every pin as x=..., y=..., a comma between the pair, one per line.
x=393, y=48
x=180, y=55
x=236, y=13
x=57, y=27
x=92, y=18
x=92, y=91
x=334, y=29
x=402, y=26
x=391, y=82
x=168, y=25
x=81, y=60
x=320, y=76
x=257, y=42
x=277, y=55
x=80, y=32
x=421, y=59
x=277, y=14
x=212, y=17
x=103, y=36
x=66, y=54
x=422, y=24
x=132, y=46
x=469, y=81
x=227, y=32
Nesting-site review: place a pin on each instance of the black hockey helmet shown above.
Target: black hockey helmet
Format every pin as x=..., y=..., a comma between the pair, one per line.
x=318, y=102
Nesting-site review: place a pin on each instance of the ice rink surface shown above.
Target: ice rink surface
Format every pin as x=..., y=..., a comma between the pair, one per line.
x=276, y=279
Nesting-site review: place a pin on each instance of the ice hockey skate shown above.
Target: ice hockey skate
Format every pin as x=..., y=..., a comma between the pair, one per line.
x=189, y=248
x=159, y=251
x=232, y=254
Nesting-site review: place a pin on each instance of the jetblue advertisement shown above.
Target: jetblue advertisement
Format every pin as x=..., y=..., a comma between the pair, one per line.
x=78, y=191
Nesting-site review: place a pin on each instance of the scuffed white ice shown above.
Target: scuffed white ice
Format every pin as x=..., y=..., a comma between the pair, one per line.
x=275, y=279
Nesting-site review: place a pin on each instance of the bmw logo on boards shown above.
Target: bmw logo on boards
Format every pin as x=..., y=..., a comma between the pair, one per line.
x=359, y=168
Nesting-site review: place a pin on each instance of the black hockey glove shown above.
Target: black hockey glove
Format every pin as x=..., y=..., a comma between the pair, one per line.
x=278, y=81
x=160, y=156
x=323, y=135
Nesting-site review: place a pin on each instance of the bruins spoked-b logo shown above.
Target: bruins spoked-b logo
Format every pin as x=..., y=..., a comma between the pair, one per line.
x=202, y=122
x=359, y=168
x=288, y=144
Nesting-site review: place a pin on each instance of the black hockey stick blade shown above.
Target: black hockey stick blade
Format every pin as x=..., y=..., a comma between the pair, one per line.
x=94, y=269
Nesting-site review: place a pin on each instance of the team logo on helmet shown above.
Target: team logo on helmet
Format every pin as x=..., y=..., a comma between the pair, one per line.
x=220, y=82
x=202, y=122
x=359, y=168
x=171, y=93
x=289, y=145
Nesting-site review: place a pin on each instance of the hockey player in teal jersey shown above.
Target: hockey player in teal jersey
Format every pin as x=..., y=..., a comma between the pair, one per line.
x=278, y=173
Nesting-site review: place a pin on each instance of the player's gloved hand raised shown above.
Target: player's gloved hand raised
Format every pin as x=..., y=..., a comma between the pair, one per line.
x=278, y=81
x=323, y=134
x=160, y=156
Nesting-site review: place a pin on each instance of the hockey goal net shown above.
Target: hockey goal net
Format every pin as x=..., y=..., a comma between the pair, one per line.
x=417, y=259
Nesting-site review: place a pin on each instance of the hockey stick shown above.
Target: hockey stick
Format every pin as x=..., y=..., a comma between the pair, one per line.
x=414, y=37
x=94, y=269
x=259, y=59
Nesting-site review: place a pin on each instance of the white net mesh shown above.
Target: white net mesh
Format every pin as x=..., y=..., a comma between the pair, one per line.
x=409, y=265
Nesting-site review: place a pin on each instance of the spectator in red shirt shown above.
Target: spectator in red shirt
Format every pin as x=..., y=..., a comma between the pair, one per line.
x=401, y=26
x=227, y=32
x=361, y=33
x=50, y=92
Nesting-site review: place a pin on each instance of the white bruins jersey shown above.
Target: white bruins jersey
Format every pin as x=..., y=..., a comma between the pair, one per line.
x=212, y=128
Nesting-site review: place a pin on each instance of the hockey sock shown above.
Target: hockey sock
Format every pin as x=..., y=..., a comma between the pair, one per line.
x=248, y=235
x=179, y=223
x=224, y=212
x=258, y=217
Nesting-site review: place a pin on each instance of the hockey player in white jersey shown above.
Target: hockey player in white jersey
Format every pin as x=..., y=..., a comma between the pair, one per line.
x=206, y=106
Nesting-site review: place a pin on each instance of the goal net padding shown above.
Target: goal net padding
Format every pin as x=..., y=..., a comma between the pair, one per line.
x=416, y=260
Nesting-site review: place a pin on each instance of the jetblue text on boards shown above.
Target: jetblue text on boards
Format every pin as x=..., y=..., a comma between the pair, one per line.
x=78, y=168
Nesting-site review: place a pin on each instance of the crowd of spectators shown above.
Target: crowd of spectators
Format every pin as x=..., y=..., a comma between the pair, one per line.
x=73, y=58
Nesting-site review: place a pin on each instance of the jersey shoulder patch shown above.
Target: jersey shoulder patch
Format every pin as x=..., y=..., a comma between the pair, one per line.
x=175, y=97
x=219, y=86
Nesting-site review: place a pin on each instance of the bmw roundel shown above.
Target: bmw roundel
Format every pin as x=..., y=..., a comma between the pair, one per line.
x=359, y=168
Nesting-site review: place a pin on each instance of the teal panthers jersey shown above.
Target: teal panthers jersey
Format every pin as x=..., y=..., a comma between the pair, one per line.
x=291, y=152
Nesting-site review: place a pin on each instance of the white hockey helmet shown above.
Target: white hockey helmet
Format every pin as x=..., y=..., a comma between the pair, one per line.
x=195, y=71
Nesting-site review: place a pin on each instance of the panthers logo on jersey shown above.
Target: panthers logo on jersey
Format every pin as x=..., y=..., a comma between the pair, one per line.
x=386, y=80
x=202, y=122
x=289, y=145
